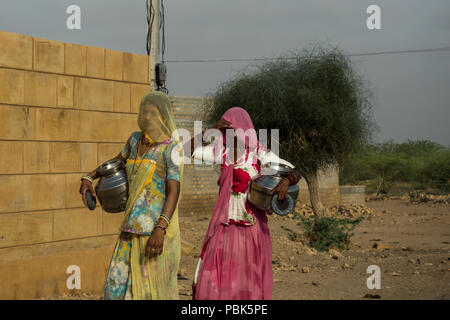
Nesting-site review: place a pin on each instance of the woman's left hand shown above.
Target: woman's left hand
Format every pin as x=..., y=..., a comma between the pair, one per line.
x=282, y=189
x=155, y=243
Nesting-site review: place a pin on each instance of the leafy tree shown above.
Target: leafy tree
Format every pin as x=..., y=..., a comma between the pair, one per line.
x=317, y=100
x=421, y=163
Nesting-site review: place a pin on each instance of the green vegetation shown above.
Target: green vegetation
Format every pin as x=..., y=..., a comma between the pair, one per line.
x=317, y=100
x=323, y=233
x=394, y=168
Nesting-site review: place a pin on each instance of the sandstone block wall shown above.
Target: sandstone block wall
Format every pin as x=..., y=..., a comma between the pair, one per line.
x=65, y=109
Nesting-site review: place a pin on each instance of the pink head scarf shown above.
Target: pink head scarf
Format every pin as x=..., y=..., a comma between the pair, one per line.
x=242, y=125
x=245, y=132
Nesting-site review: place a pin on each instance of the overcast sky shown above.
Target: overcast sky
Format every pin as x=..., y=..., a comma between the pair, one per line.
x=412, y=90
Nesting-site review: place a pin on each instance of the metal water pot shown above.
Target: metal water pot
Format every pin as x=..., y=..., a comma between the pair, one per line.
x=112, y=189
x=262, y=185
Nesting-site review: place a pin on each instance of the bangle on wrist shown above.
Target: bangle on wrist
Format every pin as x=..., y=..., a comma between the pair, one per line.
x=291, y=178
x=88, y=178
x=161, y=227
x=165, y=218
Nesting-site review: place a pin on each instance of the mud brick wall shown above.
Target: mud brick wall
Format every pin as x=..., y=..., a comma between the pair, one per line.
x=200, y=188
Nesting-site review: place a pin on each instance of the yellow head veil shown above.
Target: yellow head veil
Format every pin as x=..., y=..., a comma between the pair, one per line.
x=159, y=126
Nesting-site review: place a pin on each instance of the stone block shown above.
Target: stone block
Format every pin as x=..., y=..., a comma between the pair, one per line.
x=10, y=228
x=31, y=192
x=25, y=228
x=137, y=91
x=107, y=151
x=121, y=97
x=39, y=270
x=112, y=222
x=11, y=157
x=40, y=89
x=88, y=157
x=65, y=157
x=64, y=92
x=36, y=157
x=135, y=67
x=113, y=64
x=12, y=86
x=20, y=124
x=17, y=51
x=77, y=223
x=75, y=59
x=93, y=94
x=95, y=60
x=53, y=124
x=106, y=127
x=75, y=126
x=48, y=55
x=73, y=196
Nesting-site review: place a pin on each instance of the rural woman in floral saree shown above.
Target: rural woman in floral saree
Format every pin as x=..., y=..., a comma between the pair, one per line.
x=145, y=261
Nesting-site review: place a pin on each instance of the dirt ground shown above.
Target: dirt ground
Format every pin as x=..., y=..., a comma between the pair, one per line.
x=412, y=251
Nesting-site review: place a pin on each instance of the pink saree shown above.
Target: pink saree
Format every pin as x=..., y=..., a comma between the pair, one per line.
x=236, y=260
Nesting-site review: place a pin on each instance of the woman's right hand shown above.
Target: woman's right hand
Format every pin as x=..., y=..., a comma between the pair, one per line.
x=85, y=186
x=223, y=124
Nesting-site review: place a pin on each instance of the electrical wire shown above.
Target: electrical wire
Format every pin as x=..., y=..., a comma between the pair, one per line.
x=291, y=58
x=150, y=19
x=163, y=27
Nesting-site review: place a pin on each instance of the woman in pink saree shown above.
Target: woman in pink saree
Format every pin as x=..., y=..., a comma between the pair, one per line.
x=236, y=258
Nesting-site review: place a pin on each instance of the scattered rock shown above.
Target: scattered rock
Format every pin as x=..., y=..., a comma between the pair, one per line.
x=416, y=272
x=184, y=290
x=314, y=283
x=407, y=249
x=345, y=266
x=305, y=269
x=428, y=264
x=396, y=274
x=381, y=246
x=291, y=258
x=310, y=251
x=352, y=210
x=372, y=296
x=182, y=274
x=335, y=254
x=412, y=261
x=418, y=197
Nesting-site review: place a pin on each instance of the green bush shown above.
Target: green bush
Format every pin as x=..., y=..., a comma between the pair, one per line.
x=324, y=233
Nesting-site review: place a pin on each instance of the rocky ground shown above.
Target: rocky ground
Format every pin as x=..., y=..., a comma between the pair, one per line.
x=410, y=243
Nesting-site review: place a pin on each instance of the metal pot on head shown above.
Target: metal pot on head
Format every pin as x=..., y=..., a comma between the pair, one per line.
x=112, y=189
x=262, y=185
